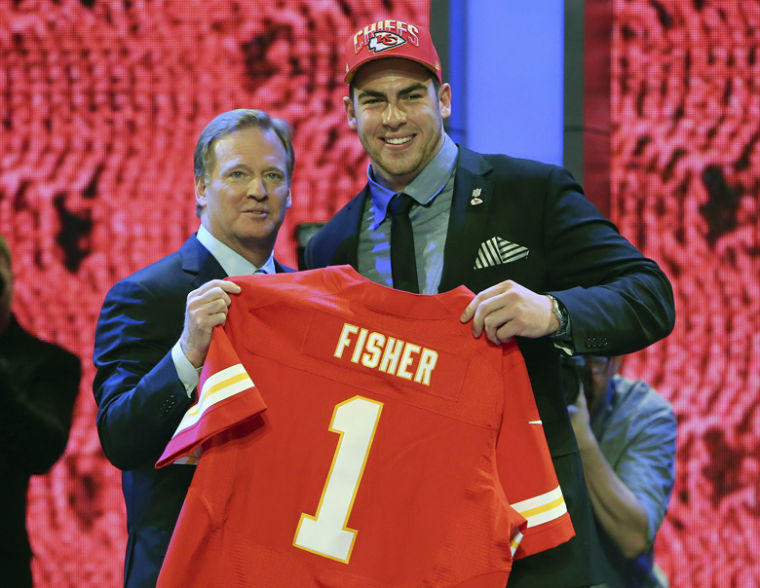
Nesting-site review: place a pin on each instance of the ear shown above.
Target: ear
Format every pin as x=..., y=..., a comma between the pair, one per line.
x=200, y=192
x=289, y=200
x=348, y=105
x=444, y=100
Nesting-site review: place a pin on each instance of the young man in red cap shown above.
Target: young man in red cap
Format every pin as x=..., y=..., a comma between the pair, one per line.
x=549, y=269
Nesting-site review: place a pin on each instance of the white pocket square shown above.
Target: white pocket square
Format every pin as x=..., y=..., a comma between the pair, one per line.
x=496, y=251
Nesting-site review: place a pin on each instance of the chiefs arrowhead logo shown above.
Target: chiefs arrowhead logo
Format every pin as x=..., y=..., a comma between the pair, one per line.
x=384, y=40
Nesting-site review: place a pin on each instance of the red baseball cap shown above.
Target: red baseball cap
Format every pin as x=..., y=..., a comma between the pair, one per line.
x=391, y=38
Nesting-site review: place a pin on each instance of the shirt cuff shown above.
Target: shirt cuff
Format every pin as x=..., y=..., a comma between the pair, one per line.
x=188, y=374
x=564, y=346
x=563, y=339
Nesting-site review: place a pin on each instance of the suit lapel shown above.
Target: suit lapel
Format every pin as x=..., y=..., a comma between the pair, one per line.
x=346, y=244
x=470, y=206
x=282, y=269
x=197, y=261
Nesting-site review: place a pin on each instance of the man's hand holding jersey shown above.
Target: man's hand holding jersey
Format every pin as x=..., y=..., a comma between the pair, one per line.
x=206, y=308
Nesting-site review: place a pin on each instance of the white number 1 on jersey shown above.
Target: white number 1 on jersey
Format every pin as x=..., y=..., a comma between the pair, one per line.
x=326, y=533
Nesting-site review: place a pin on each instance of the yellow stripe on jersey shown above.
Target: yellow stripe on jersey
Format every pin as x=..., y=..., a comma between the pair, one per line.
x=191, y=458
x=218, y=387
x=542, y=508
x=515, y=542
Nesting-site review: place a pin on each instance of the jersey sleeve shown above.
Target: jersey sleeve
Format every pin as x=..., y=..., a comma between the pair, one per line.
x=525, y=465
x=227, y=397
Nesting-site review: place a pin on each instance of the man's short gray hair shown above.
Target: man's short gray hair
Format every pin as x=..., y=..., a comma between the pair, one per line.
x=234, y=120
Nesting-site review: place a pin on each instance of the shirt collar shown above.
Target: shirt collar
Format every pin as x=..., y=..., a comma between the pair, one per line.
x=423, y=188
x=231, y=261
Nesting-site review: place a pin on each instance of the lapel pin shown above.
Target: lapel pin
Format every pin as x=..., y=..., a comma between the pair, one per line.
x=475, y=200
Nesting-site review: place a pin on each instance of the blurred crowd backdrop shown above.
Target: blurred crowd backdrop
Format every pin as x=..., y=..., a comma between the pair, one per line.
x=101, y=103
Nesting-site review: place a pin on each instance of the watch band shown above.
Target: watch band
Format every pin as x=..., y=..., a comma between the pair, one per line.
x=560, y=312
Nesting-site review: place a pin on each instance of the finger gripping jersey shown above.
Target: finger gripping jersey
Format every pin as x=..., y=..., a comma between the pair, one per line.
x=352, y=435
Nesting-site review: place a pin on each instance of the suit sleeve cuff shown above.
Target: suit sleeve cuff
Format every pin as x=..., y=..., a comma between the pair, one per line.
x=187, y=373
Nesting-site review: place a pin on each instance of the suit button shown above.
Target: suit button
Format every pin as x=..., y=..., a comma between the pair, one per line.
x=168, y=404
x=595, y=342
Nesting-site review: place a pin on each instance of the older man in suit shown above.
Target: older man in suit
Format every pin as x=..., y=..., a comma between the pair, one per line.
x=549, y=269
x=155, y=326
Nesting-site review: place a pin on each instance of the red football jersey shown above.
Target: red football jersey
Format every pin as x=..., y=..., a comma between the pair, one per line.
x=353, y=435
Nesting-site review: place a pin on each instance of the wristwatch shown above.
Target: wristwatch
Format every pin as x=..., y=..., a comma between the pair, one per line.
x=560, y=312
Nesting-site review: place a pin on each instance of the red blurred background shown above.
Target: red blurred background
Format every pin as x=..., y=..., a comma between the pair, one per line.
x=685, y=179
x=101, y=104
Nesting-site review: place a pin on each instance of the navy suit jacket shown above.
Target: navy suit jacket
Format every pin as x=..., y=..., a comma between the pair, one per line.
x=618, y=302
x=141, y=399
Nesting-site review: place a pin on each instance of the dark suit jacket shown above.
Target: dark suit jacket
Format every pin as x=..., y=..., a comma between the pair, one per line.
x=39, y=383
x=618, y=302
x=141, y=399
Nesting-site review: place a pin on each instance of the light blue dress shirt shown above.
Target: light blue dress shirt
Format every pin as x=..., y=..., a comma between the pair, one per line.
x=432, y=190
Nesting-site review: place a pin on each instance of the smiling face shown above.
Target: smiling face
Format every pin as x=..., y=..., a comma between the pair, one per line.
x=399, y=118
x=246, y=193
